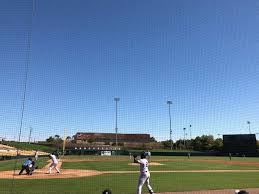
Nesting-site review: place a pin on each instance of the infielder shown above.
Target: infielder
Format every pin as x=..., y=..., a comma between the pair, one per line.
x=36, y=155
x=149, y=155
x=144, y=173
x=53, y=164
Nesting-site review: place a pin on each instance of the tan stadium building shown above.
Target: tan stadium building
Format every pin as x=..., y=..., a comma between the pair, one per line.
x=102, y=138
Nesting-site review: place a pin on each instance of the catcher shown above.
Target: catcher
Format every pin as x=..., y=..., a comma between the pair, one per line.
x=144, y=173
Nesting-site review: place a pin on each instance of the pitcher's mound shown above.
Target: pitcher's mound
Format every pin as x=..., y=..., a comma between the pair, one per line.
x=66, y=173
x=150, y=164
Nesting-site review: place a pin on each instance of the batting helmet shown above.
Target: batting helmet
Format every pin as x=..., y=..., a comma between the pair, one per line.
x=143, y=155
x=107, y=191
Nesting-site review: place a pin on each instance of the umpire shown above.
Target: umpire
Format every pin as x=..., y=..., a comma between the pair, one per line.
x=25, y=166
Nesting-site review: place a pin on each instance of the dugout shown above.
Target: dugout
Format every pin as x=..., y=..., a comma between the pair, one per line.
x=86, y=151
x=239, y=144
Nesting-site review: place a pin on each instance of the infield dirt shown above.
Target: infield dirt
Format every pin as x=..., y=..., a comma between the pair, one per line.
x=76, y=173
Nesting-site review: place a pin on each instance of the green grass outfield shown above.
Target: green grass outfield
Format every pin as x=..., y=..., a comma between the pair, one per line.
x=174, y=165
x=155, y=158
x=126, y=183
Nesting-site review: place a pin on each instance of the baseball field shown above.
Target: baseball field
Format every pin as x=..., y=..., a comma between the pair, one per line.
x=93, y=174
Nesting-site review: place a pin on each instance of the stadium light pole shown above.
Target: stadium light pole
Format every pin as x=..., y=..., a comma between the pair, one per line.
x=184, y=137
x=30, y=135
x=170, y=123
x=190, y=132
x=189, y=143
x=116, y=119
x=248, y=122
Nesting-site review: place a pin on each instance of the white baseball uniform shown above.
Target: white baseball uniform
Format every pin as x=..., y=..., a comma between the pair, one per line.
x=53, y=164
x=144, y=176
x=36, y=155
x=149, y=155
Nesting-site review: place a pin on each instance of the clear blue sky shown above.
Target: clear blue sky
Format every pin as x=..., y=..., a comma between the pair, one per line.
x=201, y=54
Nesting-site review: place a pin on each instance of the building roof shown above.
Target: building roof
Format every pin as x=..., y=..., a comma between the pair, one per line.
x=111, y=137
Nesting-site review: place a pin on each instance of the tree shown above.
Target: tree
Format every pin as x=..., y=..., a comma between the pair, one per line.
x=73, y=141
x=217, y=144
x=152, y=139
x=207, y=142
x=188, y=143
x=166, y=144
x=50, y=139
x=56, y=140
x=257, y=144
x=180, y=144
x=197, y=144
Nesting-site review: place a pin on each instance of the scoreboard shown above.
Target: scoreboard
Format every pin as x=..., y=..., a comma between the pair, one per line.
x=239, y=143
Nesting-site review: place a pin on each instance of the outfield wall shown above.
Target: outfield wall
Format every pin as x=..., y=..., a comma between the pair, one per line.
x=156, y=153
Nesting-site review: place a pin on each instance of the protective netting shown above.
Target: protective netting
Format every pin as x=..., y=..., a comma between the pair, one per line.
x=95, y=83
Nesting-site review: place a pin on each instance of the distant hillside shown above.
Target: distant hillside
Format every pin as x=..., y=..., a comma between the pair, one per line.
x=29, y=147
x=5, y=147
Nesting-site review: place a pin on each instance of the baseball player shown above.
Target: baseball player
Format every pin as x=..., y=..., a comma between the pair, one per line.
x=144, y=173
x=241, y=192
x=53, y=164
x=107, y=191
x=25, y=166
x=149, y=155
x=31, y=168
x=230, y=156
x=36, y=155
